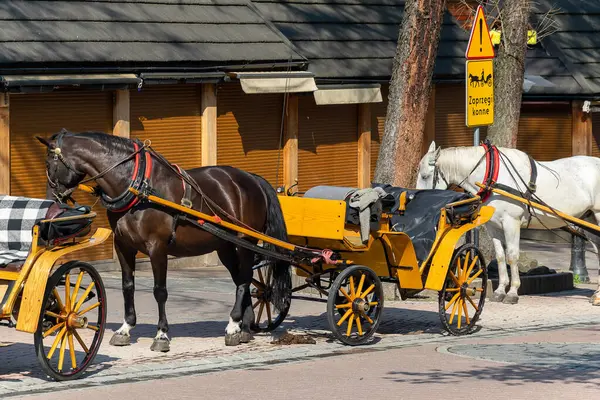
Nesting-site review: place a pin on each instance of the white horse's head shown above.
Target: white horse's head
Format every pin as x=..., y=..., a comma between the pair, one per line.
x=428, y=175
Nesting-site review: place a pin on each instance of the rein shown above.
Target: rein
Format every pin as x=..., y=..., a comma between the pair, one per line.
x=124, y=201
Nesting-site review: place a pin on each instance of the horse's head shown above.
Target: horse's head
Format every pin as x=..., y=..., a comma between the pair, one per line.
x=61, y=168
x=428, y=176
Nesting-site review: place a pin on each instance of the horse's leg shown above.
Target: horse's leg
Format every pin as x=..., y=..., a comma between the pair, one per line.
x=595, y=299
x=239, y=263
x=500, y=292
x=159, y=261
x=512, y=234
x=126, y=256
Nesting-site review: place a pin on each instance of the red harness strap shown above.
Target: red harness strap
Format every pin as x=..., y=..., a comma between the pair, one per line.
x=492, y=167
x=182, y=181
x=146, y=173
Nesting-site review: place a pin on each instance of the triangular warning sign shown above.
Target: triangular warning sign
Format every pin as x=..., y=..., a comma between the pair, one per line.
x=480, y=44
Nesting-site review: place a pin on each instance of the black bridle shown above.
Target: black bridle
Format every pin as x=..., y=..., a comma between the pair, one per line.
x=56, y=153
x=57, y=156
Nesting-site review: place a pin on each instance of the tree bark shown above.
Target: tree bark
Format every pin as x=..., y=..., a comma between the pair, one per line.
x=410, y=89
x=509, y=70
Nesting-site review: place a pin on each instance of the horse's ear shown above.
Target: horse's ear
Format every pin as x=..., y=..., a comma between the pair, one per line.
x=437, y=153
x=45, y=142
x=431, y=147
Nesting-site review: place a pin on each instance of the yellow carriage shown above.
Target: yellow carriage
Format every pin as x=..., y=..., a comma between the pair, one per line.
x=61, y=301
x=413, y=241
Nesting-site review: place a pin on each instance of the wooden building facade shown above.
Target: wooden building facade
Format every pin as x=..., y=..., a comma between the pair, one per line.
x=295, y=92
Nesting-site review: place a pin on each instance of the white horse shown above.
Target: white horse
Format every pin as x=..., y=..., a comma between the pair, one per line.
x=570, y=185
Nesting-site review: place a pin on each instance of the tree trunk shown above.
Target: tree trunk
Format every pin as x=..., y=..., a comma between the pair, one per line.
x=410, y=88
x=509, y=70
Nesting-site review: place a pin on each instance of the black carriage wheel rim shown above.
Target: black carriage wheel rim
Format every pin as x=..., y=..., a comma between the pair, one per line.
x=463, y=290
x=66, y=330
x=358, y=293
x=262, y=303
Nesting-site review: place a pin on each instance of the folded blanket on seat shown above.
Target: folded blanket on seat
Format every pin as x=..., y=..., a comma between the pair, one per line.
x=18, y=215
x=367, y=202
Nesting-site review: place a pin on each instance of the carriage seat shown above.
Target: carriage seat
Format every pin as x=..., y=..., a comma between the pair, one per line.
x=421, y=214
x=344, y=194
x=14, y=252
x=60, y=230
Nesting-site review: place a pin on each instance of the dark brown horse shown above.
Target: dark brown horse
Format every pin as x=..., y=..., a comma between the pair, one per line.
x=116, y=164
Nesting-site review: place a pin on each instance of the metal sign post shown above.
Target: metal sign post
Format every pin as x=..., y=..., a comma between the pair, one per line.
x=479, y=81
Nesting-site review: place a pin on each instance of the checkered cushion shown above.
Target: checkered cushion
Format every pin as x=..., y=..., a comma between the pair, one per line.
x=18, y=215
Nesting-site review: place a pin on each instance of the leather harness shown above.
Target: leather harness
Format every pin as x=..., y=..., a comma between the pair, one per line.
x=492, y=156
x=140, y=181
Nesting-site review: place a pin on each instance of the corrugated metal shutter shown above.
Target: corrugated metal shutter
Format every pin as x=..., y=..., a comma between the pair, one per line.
x=450, y=127
x=596, y=133
x=545, y=131
x=249, y=131
x=327, y=144
x=170, y=116
x=378, y=113
x=43, y=115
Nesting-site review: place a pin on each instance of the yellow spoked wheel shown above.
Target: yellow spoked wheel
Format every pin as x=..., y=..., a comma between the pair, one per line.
x=71, y=324
x=267, y=317
x=354, y=305
x=463, y=294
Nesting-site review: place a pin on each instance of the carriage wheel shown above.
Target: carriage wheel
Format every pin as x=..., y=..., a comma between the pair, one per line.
x=463, y=294
x=267, y=317
x=71, y=325
x=357, y=291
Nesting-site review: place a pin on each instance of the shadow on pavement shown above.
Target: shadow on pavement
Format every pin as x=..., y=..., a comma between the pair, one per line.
x=23, y=361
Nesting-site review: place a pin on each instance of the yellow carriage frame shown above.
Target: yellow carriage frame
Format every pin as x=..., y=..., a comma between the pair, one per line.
x=321, y=223
x=24, y=292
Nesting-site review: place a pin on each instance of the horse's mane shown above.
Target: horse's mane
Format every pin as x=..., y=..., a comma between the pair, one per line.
x=115, y=143
x=452, y=158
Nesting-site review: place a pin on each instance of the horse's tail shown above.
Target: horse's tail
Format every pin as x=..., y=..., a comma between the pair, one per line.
x=282, y=279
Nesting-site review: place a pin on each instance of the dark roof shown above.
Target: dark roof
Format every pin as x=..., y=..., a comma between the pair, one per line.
x=341, y=38
x=137, y=31
x=346, y=39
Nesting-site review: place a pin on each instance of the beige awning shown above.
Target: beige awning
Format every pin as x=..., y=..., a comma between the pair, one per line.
x=276, y=82
x=348, y=94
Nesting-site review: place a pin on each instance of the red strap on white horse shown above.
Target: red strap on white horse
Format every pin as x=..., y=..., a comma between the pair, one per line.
x=492, y=168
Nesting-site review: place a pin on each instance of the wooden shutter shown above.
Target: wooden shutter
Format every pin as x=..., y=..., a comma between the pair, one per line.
x=170, y=117
x=378, y=113
x=545, y=131
x=450, y=125
x=249, y=132
x=596, y=134
x=43, y=115
x=327, y=144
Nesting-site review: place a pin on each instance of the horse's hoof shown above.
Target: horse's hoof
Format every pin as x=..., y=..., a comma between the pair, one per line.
x=511, y=299
x=497, y=298
x=161, y=345
x=246, y=337
x=118, y=339
x=233, y=340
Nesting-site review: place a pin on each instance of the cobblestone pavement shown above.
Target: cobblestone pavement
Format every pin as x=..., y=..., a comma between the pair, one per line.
x=198, y=308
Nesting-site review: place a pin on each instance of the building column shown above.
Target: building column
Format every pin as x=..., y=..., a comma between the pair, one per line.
x=4, y=144
x=364, y=145
x=290, y=148
x=209, y=124
x=581, y=130
x=121, y=114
